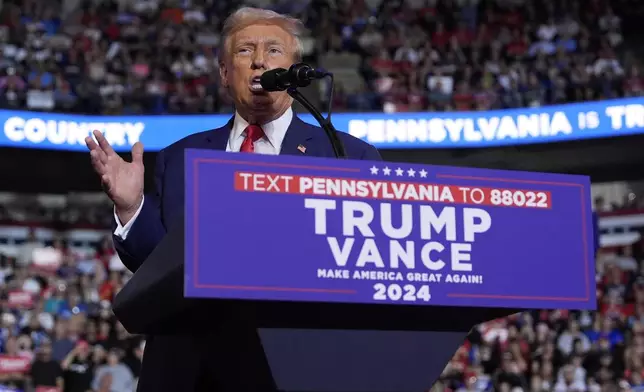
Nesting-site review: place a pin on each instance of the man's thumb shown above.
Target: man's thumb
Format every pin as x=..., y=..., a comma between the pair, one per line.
x=137, y=152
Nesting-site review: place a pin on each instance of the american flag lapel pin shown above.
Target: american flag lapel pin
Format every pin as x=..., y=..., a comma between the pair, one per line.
x=301, y=148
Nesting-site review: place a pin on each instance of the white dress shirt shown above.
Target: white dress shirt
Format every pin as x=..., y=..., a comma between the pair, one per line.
x=270, y=144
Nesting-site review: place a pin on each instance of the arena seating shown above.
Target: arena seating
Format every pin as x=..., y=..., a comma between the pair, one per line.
x=59, y=271
x=393, y=56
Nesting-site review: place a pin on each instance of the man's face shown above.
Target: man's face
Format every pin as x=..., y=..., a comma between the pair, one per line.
x=83, y=351
x=45, y=351
x=252, y=51
x=112, y=358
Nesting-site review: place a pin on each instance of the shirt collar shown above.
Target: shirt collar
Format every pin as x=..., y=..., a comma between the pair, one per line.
x=275, y=130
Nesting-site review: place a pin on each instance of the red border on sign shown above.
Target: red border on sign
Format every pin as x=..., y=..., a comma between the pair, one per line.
x=195, y=208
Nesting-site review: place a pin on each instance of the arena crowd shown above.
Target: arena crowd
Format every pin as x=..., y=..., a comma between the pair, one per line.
x=57, y=333
x=156, y=57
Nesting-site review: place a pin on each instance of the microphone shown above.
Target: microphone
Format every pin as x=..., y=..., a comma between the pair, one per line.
x=301, y=75
x=298, y=75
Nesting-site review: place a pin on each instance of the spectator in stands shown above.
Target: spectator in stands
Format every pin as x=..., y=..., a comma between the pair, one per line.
x=572, y=337
x=569, y=382
x=14, y=368
x=78, y=368
x=119, y=375
x=46, y=373
x=64, y=339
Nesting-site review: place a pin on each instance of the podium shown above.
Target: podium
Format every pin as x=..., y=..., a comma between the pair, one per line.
x=363, y=276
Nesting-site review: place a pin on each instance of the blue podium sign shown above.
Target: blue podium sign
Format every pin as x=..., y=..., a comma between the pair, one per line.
x=291, y=228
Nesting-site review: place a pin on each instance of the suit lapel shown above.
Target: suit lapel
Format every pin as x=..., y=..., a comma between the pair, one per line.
x=297, y=140
x=219, y=137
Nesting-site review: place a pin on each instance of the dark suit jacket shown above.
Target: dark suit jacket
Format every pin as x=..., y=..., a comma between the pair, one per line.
x=195, y=363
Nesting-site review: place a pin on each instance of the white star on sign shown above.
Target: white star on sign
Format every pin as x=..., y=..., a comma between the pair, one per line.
x=411, y=172
x=386, y=171
x=374, y=170
x=423, y=173
x=399, y=172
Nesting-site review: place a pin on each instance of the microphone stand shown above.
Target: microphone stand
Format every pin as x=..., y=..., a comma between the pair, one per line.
x=325, y=123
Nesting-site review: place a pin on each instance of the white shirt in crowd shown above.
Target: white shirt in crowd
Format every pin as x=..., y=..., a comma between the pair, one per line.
x=270, y=144
x=566, y=341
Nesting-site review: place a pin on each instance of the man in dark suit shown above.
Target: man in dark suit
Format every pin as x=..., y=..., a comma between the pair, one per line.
x=254, y=41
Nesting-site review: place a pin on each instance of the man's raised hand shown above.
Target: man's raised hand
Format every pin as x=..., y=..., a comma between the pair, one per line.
x=122, y=180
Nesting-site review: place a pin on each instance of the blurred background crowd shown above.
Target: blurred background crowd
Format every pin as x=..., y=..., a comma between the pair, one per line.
x=154, y=56
x=58, y=269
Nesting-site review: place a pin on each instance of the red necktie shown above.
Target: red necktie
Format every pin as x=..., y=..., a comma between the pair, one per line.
x=253, y=134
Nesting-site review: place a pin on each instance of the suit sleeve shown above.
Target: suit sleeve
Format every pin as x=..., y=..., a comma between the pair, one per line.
x=148, y=229
x=370, y=153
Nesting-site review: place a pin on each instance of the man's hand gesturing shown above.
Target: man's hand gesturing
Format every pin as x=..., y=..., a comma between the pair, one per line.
x=122, y=181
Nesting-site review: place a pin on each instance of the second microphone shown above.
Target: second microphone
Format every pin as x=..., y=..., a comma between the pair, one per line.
x=298, y=75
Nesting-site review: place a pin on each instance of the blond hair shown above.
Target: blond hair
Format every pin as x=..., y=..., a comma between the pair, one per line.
x=248, y=16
